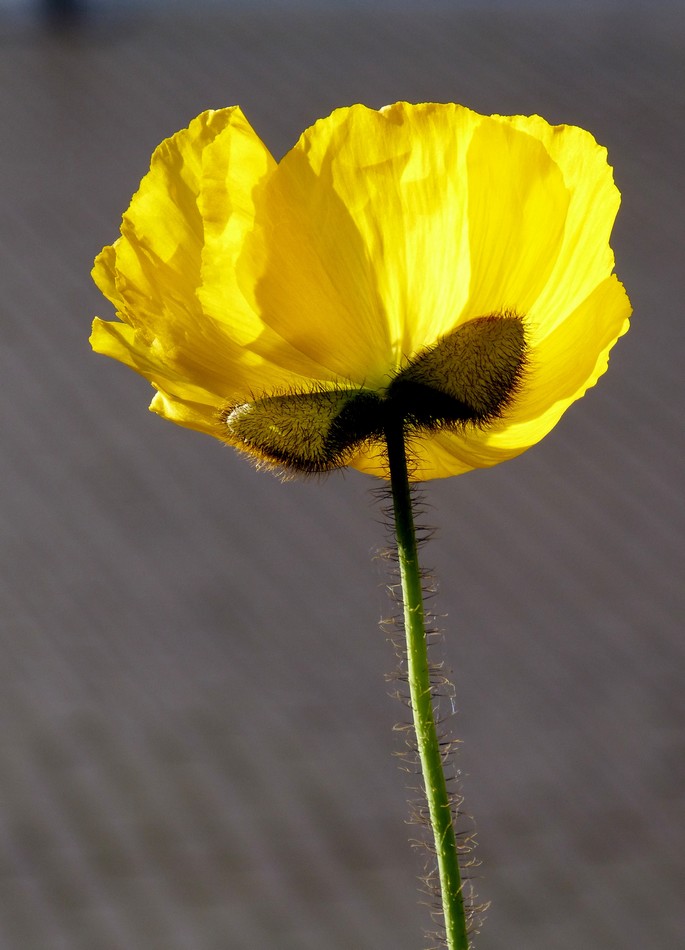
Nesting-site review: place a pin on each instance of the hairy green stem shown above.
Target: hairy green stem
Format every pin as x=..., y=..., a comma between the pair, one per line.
x=437, y=795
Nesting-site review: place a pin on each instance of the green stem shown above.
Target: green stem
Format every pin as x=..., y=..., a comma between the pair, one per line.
x=437, y=795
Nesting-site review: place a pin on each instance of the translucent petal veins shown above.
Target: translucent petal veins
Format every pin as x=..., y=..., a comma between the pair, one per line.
x=467, y=377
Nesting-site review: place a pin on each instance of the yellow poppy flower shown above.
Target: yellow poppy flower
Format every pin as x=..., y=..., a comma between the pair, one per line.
x=420, y=259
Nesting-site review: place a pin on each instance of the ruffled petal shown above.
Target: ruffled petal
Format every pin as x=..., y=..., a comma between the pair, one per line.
x=123, y=343
x=180, y=239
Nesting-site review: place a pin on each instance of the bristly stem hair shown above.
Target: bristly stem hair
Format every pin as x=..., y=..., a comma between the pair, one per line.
x=431, y=755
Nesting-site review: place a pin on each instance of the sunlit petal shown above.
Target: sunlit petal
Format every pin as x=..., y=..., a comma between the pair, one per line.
x=354, y=264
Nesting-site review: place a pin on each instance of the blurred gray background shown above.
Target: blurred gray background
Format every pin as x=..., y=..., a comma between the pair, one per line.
x=195, y=731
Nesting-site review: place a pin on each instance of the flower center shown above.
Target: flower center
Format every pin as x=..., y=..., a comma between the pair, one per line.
x=467, y=378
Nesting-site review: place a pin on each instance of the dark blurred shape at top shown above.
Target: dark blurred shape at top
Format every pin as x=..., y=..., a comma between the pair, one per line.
x=63, y=14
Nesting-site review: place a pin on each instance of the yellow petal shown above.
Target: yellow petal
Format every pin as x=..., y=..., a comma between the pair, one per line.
x=236, y=168
x=185, y=412
x=565, y=364
x=585, y=258
x=362, y=257
x=158, y=276
x=517, y=202
x=123, y=343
